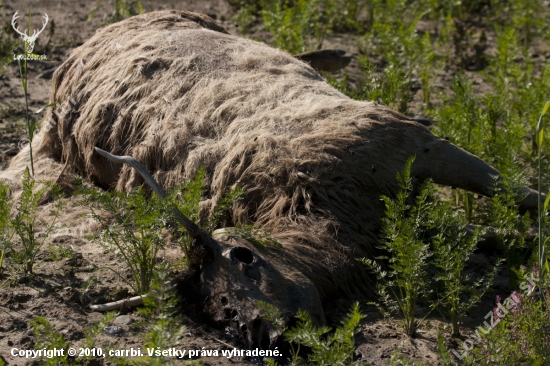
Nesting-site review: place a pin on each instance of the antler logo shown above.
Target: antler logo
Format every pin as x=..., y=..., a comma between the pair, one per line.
x=29, y=40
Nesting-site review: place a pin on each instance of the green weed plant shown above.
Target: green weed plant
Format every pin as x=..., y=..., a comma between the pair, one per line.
x=8, y=45
x=296, y=28
x=401, y=286
x=162, y=310
x=507, y=226
x=452, y=247
x=26, y=222
x=6, y=231
x=390, y=88
x=135, y=232
x=334, y=347
x=45, y=336
x=408, y=233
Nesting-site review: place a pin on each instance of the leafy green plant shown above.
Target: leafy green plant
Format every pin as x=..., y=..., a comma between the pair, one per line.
x=452, y=248
x=401, y=286
x=8, y=45
x=57, y=253
x=502, y=68
x=391, y=88
x=393, y=34
x=26, y=221
x=223, y=207
x=459, y=121
x=300, y=25
x=85, y=289
x=507, y=227
x=542, y=207
x=444, y=39
x=187, y=196
x=122, y=9
x=135, y=231
x=343, y=15
x=336, y=349
x=163, y=324
x=161, y=308
x=328, y=347
x=56, y=345
x=91, y=333
x=246, y=14
x=528, y=19
x=295, y=27
x=427, y=66
x=6, y=231
x=46, y=337
x=443, y=351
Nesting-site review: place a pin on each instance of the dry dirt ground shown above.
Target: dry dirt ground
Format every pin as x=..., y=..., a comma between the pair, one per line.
x=61, y=290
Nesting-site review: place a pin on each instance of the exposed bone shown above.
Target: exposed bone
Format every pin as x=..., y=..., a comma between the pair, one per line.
x=126, y=303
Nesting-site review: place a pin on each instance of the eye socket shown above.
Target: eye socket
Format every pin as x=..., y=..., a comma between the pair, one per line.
x=243, y=254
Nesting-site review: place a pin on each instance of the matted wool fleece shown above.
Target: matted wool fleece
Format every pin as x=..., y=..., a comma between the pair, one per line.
x=175, y=91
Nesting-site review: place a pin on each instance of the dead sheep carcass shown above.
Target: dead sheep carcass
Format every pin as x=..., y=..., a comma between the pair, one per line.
x=175, y=91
